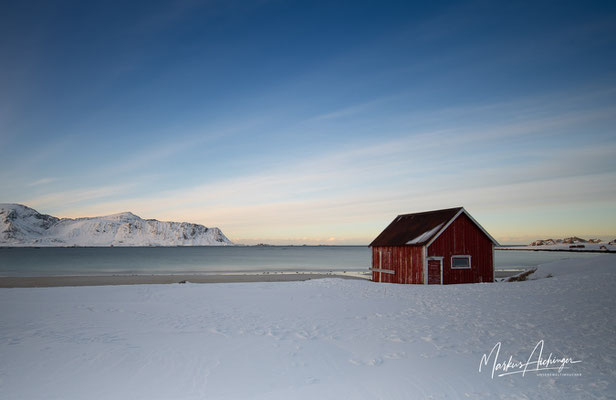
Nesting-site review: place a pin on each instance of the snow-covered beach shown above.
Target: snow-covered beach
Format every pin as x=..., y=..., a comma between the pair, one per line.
x=153, y=279
x=327, y=338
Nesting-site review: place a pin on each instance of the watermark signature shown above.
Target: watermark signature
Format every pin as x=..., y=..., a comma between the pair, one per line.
x=535, y=363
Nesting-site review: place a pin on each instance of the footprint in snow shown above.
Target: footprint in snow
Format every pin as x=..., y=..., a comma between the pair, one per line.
x=375, y=361
x=216, y=331
x=395, y=356
x=371, y=363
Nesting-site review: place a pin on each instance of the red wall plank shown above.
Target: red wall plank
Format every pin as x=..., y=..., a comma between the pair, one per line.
x=463, y=237
x=405, y=261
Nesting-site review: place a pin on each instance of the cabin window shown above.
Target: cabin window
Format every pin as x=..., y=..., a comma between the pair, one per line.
x=460, y=262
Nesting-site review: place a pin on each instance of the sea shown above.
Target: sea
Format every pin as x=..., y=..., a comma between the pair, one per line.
x=55, y=261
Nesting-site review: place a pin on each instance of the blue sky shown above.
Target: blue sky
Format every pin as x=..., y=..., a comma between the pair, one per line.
x=298, y=122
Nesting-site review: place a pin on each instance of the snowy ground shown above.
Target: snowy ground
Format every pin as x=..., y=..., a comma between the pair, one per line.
x=328, y=338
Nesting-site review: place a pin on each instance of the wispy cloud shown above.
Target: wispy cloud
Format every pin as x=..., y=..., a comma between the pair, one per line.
x=354, y=109
x=62, y=200
x=42, y=181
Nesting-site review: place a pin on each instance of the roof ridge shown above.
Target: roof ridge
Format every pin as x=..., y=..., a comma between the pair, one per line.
x=432, y=211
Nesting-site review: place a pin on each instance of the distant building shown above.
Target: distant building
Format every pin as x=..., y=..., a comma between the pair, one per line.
x=435, y=247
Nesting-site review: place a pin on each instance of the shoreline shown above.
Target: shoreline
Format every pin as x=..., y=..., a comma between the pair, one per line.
x=562, y=250
x=9, y=282
x=110, y=280
x=44, y=246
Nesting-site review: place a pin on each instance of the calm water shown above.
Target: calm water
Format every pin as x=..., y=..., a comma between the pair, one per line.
x=169, y=260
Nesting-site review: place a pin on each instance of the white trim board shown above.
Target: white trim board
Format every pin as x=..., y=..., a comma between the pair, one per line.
x=425, y=263
x=385, y=271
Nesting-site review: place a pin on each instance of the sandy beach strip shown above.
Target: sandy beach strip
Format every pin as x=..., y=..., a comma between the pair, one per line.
x=104, y=280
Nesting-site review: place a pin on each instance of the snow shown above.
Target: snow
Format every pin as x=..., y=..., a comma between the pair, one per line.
x=325, y=339
x=425, y=236
x=566, y=247
x=573, y=243
x=24, y=226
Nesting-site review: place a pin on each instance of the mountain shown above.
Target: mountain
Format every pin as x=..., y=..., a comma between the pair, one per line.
x=24, y=226
x=569, y=240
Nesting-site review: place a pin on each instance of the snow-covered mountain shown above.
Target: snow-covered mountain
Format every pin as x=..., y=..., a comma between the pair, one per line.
x=569, y=240
x=573, y=243
x=24, y=226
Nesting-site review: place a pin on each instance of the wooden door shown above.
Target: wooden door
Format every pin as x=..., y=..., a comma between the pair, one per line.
x=434, y=272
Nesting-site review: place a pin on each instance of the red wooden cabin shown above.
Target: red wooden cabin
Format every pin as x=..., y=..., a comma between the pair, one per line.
x=434, y=247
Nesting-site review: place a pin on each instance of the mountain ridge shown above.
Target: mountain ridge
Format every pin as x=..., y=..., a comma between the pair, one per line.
x=22, y=226
x=569, y=240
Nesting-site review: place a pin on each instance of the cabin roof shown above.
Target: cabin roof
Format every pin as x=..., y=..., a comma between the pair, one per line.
x=419, y=229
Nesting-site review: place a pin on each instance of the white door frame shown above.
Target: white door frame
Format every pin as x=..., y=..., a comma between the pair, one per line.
x=440, y=259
